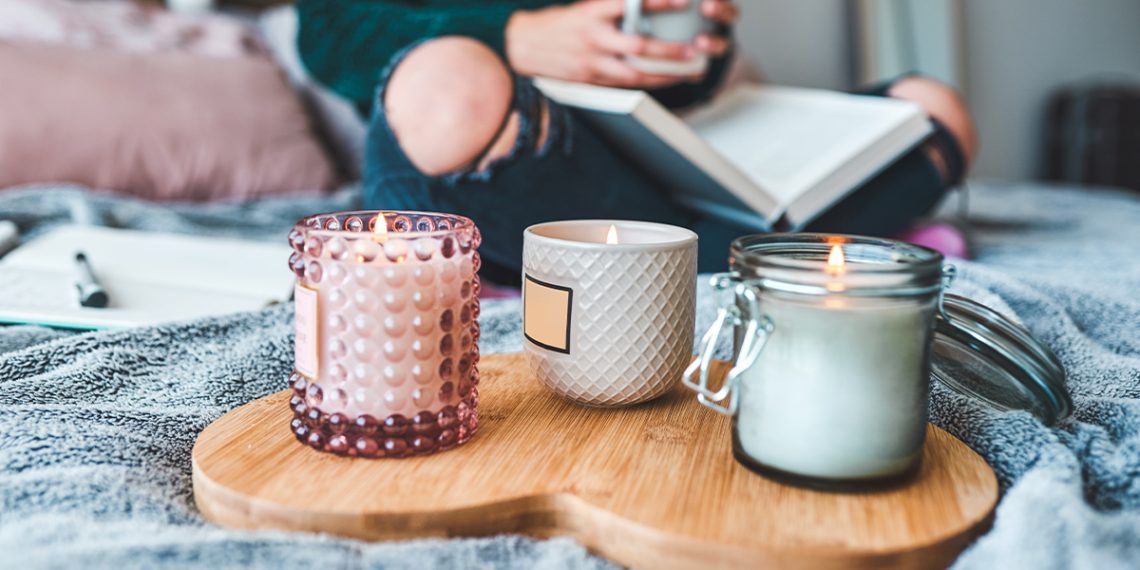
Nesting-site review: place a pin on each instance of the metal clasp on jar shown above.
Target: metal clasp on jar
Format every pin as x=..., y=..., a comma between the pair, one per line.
x=730, y=314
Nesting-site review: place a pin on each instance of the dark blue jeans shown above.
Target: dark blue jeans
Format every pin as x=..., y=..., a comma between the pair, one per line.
x=576, y=174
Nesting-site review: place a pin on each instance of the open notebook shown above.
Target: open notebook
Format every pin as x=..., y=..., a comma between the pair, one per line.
x=150, y=277
x=757, y=155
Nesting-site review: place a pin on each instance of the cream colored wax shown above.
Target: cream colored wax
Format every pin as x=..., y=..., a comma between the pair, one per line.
x=840, y=390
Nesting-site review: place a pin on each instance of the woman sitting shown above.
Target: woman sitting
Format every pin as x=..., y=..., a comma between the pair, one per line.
x=457, y=125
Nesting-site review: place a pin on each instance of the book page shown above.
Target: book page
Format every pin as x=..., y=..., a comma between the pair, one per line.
x=240, y=267
x=49, y=297
x=149, y=277
x=788, y=139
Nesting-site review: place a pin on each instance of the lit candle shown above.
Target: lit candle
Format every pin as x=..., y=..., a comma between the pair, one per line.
x=839, y=391
x=386, y=344
x=608, y=308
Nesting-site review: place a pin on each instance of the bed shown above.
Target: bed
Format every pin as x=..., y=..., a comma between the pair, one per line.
x=98, y=427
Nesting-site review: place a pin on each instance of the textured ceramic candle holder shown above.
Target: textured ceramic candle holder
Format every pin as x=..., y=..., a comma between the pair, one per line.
x=609, y=324
x=386, y=350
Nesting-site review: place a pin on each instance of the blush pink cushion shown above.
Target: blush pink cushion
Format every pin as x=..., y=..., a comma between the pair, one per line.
x=162, y=126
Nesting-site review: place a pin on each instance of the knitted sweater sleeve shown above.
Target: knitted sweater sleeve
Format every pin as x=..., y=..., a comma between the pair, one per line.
x=345, y=44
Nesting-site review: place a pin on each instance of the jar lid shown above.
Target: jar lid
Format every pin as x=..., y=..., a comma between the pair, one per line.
x=979, y=353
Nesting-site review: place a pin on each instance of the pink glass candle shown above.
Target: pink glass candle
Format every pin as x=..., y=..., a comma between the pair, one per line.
x=386, y=350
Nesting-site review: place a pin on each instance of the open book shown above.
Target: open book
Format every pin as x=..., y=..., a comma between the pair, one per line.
x=149, y=277
x=759, y=156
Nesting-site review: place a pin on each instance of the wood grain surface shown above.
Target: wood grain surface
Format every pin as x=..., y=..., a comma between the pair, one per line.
x=653, y=486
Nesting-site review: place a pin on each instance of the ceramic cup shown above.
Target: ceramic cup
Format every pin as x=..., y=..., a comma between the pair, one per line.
x=683, y=25
x=609, y=324
x=190, y=7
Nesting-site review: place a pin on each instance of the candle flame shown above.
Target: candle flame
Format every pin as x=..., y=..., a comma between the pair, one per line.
x=836, y=263
x=611, y=236
x=380, y=229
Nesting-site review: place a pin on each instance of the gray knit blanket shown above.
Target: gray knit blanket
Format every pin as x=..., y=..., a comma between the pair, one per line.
x=96, y=428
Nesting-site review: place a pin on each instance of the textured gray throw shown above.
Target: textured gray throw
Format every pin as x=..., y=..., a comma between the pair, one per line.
x=96, y=429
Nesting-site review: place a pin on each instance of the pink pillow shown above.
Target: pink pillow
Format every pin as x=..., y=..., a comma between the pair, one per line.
x=125, y=25
x=163, y=126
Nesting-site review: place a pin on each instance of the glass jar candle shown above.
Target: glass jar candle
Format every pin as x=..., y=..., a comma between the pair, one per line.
x=832, y=338
x=386, y=350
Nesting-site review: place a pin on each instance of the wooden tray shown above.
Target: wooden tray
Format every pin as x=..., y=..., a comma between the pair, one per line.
x=653, y=486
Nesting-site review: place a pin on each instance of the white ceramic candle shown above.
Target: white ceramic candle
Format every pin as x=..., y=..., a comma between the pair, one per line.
x=609, y=308
x=836, y=390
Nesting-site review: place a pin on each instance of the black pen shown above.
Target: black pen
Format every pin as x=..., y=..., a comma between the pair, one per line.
x=91, y=294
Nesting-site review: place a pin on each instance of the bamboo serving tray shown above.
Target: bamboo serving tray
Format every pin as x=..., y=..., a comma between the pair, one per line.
x=653, y=486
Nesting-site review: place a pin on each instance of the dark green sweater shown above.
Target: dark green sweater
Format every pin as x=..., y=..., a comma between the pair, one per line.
x=346, y=44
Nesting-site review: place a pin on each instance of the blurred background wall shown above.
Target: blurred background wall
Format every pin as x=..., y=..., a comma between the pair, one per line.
x=1007, y=56
x=794, y=42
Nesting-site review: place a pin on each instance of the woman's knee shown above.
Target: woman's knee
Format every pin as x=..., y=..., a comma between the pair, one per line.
x=945, y=105
x=446, y=101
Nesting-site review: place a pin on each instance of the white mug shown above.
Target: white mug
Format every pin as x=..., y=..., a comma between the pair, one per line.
x=190, y=7
x=683, y=25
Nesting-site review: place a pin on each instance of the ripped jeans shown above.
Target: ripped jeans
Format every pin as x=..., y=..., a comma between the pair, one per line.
x=576, y=174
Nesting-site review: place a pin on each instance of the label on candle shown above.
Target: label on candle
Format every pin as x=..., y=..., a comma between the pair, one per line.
x=546, y=314
x=305, y=330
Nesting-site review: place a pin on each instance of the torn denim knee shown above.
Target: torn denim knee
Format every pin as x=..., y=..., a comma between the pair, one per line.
x=530, y=105
x=526, y=101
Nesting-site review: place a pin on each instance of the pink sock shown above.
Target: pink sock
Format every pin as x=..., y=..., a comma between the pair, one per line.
x=942, y=237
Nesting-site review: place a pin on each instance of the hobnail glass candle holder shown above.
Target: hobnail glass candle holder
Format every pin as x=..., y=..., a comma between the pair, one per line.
x=386, y=351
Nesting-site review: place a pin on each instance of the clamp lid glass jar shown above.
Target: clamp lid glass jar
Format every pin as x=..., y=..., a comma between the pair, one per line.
x=833, y=338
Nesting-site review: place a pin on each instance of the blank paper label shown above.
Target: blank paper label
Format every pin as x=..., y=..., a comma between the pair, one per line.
x=305, y=330
x=546, y=314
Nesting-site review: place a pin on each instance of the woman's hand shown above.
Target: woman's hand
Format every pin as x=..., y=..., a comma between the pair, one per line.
x=582, y=42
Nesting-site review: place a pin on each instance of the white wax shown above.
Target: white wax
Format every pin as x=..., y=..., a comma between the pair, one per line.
x=840, y=390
